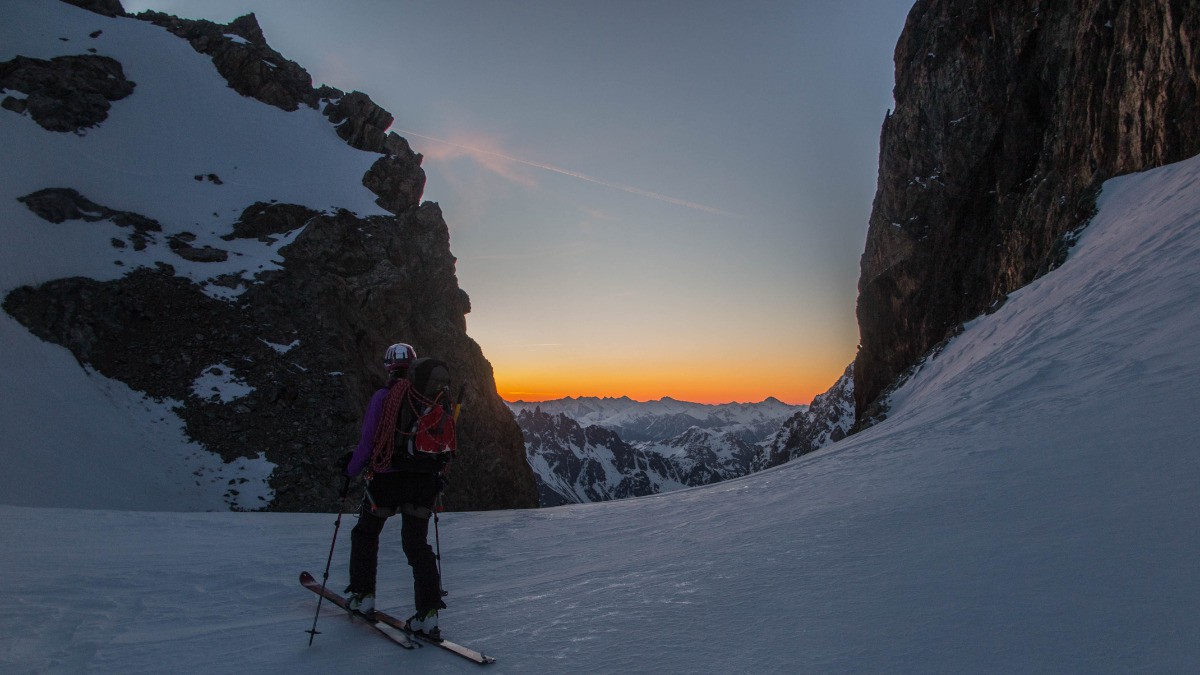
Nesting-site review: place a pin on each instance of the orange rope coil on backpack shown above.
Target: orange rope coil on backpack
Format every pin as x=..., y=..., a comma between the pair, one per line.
x=384, y=445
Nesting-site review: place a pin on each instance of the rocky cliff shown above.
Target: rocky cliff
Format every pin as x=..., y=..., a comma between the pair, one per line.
x=305, y=337
x=828, y=419
x=1008, y=118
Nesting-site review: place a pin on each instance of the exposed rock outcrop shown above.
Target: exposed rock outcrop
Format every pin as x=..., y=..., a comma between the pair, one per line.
x=58, y=205
x=1008, y=118
x=182, y=245
x=396, y=177
x=360, y=122
x=828, y=419
x=103, y=7
x=66, y=93
x=264, y=221
x=243, y=58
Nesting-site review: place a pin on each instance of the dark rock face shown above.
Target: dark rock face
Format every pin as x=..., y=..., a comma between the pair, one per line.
x=1008, y=118
x=250, y=66
x=360, y=122
x=262, y=220
x=398, y=180
x=105, y=7
x=397, y=176
x=181, y=244
x=66, y=93
x=828, y=419
x=58, y=205
x=306, y=340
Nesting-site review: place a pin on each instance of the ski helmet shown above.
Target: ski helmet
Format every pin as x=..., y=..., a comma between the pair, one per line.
x=398, y=357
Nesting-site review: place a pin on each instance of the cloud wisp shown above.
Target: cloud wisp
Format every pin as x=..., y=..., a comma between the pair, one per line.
x=483, y=155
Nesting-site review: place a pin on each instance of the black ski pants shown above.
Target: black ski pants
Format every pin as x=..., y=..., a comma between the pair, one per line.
x=411, y=496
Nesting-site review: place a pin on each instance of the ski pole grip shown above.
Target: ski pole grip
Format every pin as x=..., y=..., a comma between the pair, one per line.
x=346, y=487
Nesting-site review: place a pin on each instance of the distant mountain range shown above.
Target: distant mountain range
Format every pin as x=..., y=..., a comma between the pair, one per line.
x=595, y=449
x=637, y=421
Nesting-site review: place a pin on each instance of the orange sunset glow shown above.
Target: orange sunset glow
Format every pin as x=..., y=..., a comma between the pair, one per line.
x=715, y=383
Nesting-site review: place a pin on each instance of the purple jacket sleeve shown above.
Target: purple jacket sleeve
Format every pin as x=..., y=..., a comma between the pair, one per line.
x=362, y=454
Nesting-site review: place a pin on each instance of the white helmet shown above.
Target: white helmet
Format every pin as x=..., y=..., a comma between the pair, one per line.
x=398, y=356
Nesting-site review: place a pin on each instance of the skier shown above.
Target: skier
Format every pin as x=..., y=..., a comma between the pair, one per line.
x=409, y=489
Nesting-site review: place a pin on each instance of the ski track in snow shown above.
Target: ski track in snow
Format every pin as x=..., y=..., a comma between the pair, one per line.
x=1029, y=506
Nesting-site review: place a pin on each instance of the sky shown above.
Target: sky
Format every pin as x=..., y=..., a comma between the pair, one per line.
x=646, y=199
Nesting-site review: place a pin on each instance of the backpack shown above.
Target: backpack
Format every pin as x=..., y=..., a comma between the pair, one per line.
x=425, y=430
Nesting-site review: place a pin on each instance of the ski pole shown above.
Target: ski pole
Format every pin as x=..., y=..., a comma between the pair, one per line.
x=337, y=524
x=437, y=541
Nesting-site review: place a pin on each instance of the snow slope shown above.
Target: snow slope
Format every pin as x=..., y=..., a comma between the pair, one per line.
x=120, y=450
x=1029, y=506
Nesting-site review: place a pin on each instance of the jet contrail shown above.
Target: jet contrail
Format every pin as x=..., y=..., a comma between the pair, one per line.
x=575, y=174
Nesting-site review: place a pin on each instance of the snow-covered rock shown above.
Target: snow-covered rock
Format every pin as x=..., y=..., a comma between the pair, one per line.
x=576, y=463
x=827, y=419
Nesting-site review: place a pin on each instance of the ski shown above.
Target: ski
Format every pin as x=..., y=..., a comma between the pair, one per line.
x=392, y=632
x=465, y=652
x=390, y=622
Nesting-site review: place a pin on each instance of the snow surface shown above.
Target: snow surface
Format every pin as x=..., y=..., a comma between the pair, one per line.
x=70, y=436
x=219, y=382
x=1029, y=506
x=75, y=438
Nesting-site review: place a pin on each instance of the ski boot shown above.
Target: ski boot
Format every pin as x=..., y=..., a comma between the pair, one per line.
x=362, y=603
x=426, y=624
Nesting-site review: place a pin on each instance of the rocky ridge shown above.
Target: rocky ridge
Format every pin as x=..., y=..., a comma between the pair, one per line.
x=66, y=93
x=1008, y=118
